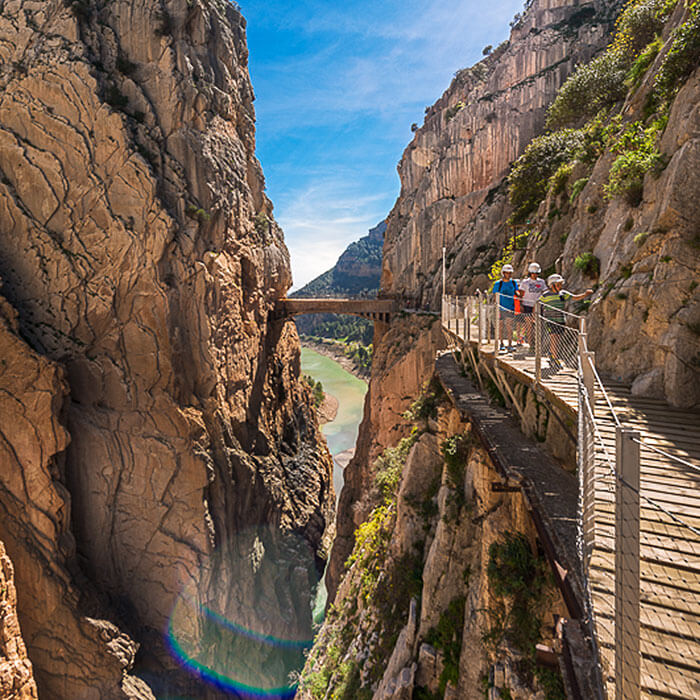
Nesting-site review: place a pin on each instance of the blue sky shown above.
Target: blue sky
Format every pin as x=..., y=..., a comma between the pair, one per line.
x=338, y=85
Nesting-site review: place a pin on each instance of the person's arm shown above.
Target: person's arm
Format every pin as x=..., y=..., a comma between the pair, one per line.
x=583, y=295
x=520, y=291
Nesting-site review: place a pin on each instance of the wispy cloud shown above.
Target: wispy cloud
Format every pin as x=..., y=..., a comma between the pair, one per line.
x=338, y=85
x=321, y=220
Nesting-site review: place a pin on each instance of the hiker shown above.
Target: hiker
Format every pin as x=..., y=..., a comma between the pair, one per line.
x=553, y=301
x=506, y=288
x=529, y=290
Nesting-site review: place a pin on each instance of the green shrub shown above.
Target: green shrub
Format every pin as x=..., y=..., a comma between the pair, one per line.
x=316, y=389
x=516, y=574
x=588, y=264
x=262, y=222
x=642, y=63
x=451, y=112
x=591, y=87
x=551, y=683
x=425, y=406
x=637, y=25
x=578, y=187
x=682, y=58
x=558, y=181
x=515, y=243
x=637, y=154
x=529, y=178
x=197, y=213
x=600, y=83
x=455, y=451
x=447, y=637
x=389, y=465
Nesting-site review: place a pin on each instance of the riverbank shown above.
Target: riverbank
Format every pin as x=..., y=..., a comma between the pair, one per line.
x=335, y=351
x=328, y=410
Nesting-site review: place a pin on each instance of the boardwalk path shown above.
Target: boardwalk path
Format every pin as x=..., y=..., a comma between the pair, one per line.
x=670, y=521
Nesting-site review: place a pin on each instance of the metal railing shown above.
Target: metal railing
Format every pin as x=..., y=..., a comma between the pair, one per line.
x=639, y=536
x=548, y=334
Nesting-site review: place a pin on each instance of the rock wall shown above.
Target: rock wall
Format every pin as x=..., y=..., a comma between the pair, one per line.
x=417, y=614
x=16, y=679
x=139, y=254
x=402, y=363
x=74, y=653
x=470, y=137
x=643, y=321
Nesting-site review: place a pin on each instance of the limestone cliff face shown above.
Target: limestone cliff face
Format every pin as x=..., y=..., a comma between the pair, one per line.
x=417, y=615
x=645, y=313
x=474, y=132
x=16, y=679
x=74, y=653
x=143, y=288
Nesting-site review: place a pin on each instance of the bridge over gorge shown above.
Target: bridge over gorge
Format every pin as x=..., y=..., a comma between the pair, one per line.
x=379, y=310
x=638, y=515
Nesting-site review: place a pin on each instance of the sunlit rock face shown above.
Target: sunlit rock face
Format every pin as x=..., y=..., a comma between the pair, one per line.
x=644, y=315
x=138, y=252
x=472, y=134
x=16, y=679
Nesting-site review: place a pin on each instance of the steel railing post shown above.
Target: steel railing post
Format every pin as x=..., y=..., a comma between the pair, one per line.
x=627, y=660
x=497, y=326
x=479, y=321
x=466, y=319
x=538, y=342
x=468, y=313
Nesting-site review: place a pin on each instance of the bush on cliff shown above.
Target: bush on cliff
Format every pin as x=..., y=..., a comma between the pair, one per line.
x=529, y=178
x=600, y=83
x=682, y=58
x=592, y=87
x=637, y=154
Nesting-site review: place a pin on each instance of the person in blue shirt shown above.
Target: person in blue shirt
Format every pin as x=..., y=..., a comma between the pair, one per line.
x=506, y=288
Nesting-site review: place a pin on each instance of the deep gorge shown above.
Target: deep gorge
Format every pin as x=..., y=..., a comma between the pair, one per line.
x=166, y=496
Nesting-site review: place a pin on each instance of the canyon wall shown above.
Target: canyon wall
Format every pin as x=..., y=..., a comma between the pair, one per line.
x=163, y=449
x=402, y=363
x=16, y=678
x=420, y=612
x=453, y=194
x=644, y=316
x=451, y=171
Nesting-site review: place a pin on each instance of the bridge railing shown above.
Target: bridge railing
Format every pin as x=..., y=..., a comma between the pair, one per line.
x=639, y=548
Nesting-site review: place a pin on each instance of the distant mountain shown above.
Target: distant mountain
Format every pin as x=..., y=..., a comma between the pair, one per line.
x=357, y=271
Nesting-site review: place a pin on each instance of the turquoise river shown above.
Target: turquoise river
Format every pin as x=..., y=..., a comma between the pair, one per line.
x=341, y=434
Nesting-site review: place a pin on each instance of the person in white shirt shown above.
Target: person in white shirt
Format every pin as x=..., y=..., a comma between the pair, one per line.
x=530, y=290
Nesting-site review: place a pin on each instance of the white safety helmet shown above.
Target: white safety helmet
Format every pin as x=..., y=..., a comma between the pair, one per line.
x=553, y=279
x=507, y=268
x=534, y=267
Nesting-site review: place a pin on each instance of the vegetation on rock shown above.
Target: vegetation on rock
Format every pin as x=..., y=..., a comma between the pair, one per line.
x=529, y=178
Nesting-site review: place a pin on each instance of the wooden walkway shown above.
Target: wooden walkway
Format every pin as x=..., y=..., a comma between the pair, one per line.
x=670, y=521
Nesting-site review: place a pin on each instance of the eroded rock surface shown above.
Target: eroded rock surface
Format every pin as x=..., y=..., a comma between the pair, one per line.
x=645, y=312
x=473, y=133
x=140, y=254
x=16, y=678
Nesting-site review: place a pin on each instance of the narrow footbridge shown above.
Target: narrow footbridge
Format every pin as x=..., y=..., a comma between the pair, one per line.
x=373, y=309
x=638, y=513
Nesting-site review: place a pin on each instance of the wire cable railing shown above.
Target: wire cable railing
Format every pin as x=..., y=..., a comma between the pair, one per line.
x=638, y=507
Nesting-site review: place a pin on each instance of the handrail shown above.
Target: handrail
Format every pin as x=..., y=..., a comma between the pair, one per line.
x=604, y=469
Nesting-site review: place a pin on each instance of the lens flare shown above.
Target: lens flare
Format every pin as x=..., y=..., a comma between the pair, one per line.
x=247, y=627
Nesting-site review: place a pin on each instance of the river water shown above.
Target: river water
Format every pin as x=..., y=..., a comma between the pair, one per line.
x=340, y=434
